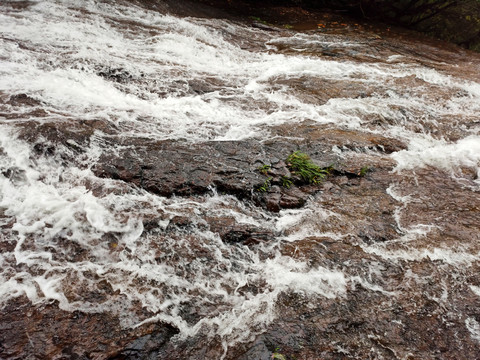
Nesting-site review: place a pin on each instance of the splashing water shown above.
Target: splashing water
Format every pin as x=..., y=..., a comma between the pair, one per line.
x=70, y=236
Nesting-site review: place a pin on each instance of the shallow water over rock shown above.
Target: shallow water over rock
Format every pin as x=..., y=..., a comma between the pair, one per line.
x=148, y=209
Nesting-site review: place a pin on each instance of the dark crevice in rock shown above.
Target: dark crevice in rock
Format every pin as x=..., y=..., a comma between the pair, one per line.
x=148, y=346
x=23, y=100
x=246, y=236
x=116, y=74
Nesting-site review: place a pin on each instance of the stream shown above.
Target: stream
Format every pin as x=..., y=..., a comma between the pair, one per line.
x=133, y=222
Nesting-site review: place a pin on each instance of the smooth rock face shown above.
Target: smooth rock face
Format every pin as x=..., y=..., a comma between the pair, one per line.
x=392, y=253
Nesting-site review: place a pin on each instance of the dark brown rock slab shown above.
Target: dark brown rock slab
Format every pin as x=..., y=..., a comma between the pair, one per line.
x=171, y=168
x=73, y=135
x=44, y=331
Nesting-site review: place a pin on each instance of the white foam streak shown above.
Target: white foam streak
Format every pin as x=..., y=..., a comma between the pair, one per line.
x=51, y=289
x=448, y=256
x=367, y=285
x=287, y=274
x=446, y=156
x=475, y=289
x=45, y=206
x=474, y=328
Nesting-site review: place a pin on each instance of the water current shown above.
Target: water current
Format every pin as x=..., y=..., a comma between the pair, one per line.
x=150, y=77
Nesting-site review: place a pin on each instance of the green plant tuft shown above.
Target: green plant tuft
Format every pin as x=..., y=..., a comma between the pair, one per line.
x=300, y=164
x=265, y=186
x=277, y=355
x=256, y=18
x=264, y=169
x=286, y=182
x=363, y=171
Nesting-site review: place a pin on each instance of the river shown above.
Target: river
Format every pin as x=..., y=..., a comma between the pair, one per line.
x=132, y=224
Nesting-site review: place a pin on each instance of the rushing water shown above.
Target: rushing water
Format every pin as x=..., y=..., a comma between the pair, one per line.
x=152, y=77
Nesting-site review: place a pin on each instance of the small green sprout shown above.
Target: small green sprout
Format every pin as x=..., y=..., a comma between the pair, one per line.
x=265, y=186
x=286, y=182
x=256, y=18
x=277, y=355
x=264, y=169
x=363, y=171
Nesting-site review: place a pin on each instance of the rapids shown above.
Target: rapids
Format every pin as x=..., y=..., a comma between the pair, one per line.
x=382, y=265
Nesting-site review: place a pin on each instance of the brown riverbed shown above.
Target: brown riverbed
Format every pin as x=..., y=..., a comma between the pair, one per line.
x=150, y=239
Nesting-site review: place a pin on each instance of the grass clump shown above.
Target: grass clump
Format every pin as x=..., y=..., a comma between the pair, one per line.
x=266, y=185
x=363, y=171
x=264, y=169
x=276, y=355
x=286, y=182
x=300, y=164
x=302, y=169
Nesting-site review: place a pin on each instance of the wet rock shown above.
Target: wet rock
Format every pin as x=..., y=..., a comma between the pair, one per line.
x=115, y=74
x=44, y=149
x=264, y=26
x=347, y=139
x=279, y=169
x=454, y=21
x=147, y=346
x=294, y=198
x=377, y=232
x=174, y=168
x=220, y=224
x=291, y=202
x=45, y=331
x=171, y=168
x=73, y=135
x=181, y=223
x=272, y=202
x=246, y=236
x=204, y=85
x=15, y=174
x=23, y=100
x=403, y=299
x=152, y=224
x=352, y=328
x=232, y=232
x=258, y=351
x=371, y=220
